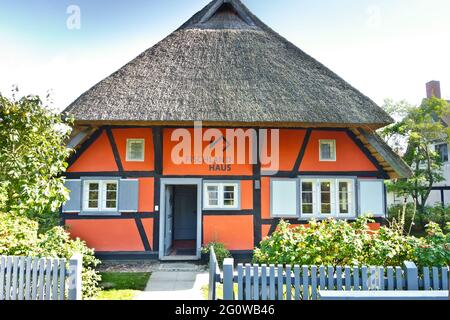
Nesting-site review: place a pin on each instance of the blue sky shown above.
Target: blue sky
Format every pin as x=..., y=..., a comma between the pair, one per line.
x=385, y=48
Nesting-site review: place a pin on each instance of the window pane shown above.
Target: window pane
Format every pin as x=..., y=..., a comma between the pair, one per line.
x=325, y=150
x=228, y=196
x=93, y=204
x=213, y=195
x=135, y=150
x=343, y=208
x=442, y=150
x=325, y=197
x=326, y=208
x=307, y=186
x=93, y=195
x=325, y=186
x=213, y=202
x=111, y=195
x=307, y=208
x=228, y=189
x=307, y=197
x=228, y=202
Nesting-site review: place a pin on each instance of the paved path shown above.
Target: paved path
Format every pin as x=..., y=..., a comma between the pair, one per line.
x=175, y=281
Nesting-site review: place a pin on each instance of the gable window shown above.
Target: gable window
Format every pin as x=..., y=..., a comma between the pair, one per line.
x=220, y=195
x=327, y=150
x=324, y=198
x=442, y=151
x=100, y=195
x=135, y=150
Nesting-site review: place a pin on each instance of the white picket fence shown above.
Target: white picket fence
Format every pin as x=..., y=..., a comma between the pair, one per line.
x=27, y=278
x=278, y=282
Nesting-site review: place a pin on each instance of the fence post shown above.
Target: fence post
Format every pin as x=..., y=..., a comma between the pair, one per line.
x=212, y=274
x=412, y=275
x=74, y=277
x=228, y=275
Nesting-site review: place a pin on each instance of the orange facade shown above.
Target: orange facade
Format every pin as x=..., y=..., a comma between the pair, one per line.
x=140, y=232
x=206, y=161
x=236, y=232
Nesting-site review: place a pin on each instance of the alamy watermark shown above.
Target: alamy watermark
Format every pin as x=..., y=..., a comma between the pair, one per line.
x=73, y=21
x=236, y=146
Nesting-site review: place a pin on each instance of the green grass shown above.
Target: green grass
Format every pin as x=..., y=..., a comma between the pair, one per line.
x=122, y=285
x=219, y=290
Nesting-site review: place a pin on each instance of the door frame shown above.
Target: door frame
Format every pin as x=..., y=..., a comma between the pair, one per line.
x=162, y=218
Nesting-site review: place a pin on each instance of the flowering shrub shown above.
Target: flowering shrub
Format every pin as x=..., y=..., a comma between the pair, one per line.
x=338, y=242
x=19, y=236
x=219, y=249
x=435, y=247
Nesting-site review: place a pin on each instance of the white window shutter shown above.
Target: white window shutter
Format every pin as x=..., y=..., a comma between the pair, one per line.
x=284, y=200
x=372, y=198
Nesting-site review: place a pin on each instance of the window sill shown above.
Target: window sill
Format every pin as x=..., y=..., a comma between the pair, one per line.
x=100, y=214
x=222, y=209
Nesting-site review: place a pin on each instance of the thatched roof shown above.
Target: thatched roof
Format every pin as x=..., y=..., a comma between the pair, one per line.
x=225, y=65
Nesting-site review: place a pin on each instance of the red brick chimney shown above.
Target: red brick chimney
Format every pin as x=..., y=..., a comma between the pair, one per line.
x=434, y=89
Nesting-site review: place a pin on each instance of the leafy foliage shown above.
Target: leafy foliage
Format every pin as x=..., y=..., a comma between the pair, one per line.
x=219, y=248
x=435, y=248
x=338, y=242
x=19, y=236
x=420, y=128
x=416, y=222
x=32, y=156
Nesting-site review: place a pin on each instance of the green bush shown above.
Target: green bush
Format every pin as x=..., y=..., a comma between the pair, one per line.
x=435, y=247
x=338, y=242
x=419, y=220
x=19, y=236
x=33, y=155
x=219, y=248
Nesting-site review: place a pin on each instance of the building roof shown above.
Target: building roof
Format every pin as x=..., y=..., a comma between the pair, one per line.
x=226, y=66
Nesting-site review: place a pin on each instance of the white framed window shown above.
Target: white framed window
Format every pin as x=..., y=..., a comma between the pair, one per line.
x=308, y=200
x=100, y=195
x=135, y=150
x=327, y=150
x=327, y=197
x=221, y=195
x=284, y=198
x=346, y=197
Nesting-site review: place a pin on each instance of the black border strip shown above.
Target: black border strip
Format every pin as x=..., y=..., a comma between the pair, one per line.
x=301, y=153
x=116, y=255
x=361, y=174
x=115, y=151
x=124, y=174
x=142, y=234
x=212, y=178
x=157, y=133
x=257, y=228
x=123, y=216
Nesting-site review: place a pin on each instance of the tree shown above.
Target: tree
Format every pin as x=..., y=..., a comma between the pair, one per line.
x=420, y=127
x=32, y=157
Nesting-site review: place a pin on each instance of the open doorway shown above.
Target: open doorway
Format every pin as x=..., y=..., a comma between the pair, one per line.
x=181, y=219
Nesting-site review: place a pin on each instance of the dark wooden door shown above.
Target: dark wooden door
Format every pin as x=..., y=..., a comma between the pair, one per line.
x=185, y=213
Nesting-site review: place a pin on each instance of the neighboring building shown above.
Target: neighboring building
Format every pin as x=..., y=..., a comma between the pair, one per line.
x=441, y=191
x=130, y=197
